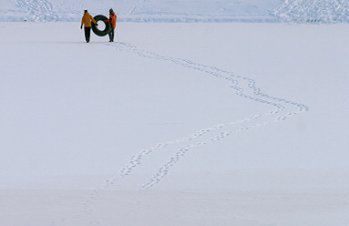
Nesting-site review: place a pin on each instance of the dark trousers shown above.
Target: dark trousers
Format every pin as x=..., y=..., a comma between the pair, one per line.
x=111, y=35
x=87, y=34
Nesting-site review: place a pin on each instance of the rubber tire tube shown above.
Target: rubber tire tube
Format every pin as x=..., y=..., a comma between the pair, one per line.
x=106, y=29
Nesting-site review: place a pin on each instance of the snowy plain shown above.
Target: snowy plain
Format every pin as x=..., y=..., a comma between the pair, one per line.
x=175, y=124
x=164, y=11
x=141, y=10
x=184, y=124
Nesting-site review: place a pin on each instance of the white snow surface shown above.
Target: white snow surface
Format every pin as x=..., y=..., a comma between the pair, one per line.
x=298, y=11
x=139, y=10
x=175, y=124
x=314, y=11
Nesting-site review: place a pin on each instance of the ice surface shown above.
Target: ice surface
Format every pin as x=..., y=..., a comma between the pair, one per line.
x=175, y=124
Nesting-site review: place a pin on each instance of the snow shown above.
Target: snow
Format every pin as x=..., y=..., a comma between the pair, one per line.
x=175, y=124
x=223, y=11
x=315, y=11
x=139, y=10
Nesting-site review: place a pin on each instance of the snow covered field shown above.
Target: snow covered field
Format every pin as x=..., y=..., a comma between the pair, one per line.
x=141, y=10
x=290, y=11
x=175, y=124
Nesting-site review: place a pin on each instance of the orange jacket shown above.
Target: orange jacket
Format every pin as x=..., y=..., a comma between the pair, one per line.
x=87, y=20
x=112, y=20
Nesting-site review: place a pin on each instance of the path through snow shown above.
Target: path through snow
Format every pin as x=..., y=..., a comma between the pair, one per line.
x=244, y=87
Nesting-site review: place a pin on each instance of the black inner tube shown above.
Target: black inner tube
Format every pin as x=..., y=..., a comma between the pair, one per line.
x=106, y=29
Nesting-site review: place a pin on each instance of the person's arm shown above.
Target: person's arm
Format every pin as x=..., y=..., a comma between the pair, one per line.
x=81, y=22
x=93, y=20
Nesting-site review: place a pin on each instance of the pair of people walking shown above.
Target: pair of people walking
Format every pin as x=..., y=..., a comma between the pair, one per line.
x=88, y=21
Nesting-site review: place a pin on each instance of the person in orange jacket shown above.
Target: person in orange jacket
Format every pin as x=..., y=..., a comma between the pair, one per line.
x=87, y=20
x=112, y=21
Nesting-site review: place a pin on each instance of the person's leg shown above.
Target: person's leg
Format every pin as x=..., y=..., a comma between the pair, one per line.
x=86, y=37
x=112, y=34
x=109, y=35
x=87, y=34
